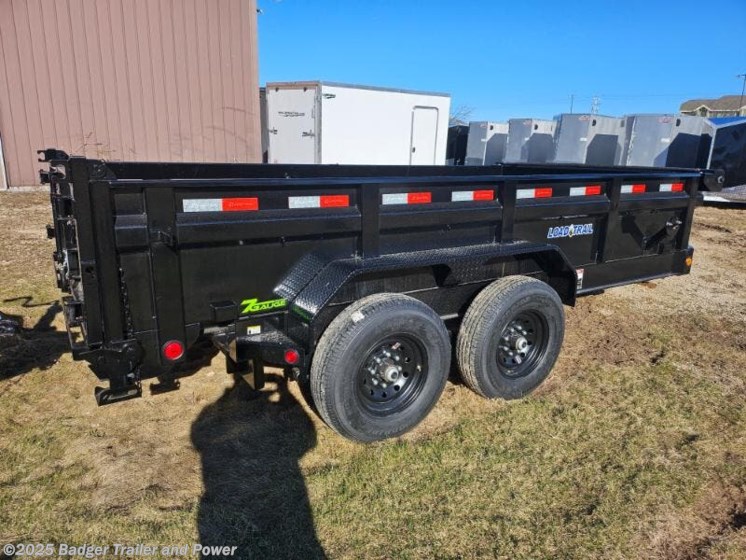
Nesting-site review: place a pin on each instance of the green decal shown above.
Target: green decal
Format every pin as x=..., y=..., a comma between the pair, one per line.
x=256, y=306
x=301, y=312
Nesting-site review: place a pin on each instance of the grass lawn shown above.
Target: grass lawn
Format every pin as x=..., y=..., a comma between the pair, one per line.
x=634, y=448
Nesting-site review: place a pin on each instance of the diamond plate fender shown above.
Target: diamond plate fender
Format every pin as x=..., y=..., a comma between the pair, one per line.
x=314, y=282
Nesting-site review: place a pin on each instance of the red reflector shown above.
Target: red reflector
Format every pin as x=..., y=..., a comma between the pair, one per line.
x=592, y=189
x=240, y=204
x=292, y=356
x=677, y=187
x=543, y=192
x=639, y=188
x=484, y=195
x=419, y=198
x=173, y=350
x=335, y=200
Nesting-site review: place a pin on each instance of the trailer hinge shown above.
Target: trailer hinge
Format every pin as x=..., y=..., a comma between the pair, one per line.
x=50, y=153
x=46, y=177
x=308, y=134
x=272, y=131
x=165, y=237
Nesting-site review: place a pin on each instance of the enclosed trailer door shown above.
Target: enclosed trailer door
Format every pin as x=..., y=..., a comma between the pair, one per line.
x=476, y=144
x=424, y=135
x=728, y=152
x=572, y=139
x=666, y=141
x=292, y=125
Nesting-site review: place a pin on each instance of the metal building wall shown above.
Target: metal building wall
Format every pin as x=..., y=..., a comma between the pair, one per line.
x=148, y=80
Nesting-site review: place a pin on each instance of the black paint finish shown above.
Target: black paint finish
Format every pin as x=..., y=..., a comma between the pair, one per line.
x=140, y=271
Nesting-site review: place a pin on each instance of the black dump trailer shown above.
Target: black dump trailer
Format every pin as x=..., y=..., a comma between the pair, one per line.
x=361, y=282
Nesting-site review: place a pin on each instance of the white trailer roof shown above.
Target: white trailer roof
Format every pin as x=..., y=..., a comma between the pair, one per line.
x=314, y=83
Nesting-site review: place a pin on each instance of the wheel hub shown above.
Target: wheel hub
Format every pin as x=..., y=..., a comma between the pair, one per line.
x=390, y=371
x=385, y=369
x=520, y=344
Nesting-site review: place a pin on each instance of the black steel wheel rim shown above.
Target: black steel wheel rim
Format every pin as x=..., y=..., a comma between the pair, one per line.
x=392, y=374
x=522, y=344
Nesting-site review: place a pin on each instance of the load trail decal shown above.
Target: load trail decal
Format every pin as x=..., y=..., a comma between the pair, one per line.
x=249, y=306
x=570, y=231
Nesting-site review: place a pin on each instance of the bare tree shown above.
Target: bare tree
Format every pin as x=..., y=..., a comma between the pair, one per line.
x=460, y=115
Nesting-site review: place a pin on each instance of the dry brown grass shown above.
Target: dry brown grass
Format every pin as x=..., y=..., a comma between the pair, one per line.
x=634, y=448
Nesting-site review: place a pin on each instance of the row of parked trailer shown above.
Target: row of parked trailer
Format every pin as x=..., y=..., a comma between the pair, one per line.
x=653, y=140
x=633, y=140
x=318, y=122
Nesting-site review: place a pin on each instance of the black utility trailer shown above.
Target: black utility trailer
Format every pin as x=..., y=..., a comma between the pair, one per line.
x=357, y=280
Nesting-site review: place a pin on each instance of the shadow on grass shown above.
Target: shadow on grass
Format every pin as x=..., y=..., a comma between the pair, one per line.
x=38, y=347
x=255, y=496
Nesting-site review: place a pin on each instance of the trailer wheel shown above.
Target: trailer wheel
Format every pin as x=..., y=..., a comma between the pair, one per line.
x=380, y=367
x=510, y=337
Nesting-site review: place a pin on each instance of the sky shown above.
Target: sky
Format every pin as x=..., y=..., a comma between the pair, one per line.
x=514, y=59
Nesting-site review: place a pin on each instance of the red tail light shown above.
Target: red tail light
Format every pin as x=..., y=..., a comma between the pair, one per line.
x=292, y=356
x=173, y=350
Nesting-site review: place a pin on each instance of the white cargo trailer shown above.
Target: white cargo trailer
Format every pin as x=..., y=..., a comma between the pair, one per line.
x=486, y=143
x=325, y=122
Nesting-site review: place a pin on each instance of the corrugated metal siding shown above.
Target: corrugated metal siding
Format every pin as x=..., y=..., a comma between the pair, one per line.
x=148, y=80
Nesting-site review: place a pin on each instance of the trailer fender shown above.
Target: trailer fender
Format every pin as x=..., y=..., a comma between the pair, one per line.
x=309, y=291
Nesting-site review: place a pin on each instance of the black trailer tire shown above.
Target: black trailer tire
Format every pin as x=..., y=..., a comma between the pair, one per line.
x=510, y=337
x=380, y=367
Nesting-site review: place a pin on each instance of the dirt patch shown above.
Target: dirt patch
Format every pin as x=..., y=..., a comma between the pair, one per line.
x=606, y=329
x=717, y=283
x=716, y=523
x=716, y=227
